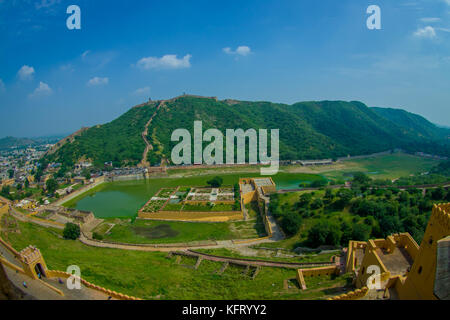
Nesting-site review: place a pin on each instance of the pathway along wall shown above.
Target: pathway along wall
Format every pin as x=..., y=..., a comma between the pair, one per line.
x=190, y=216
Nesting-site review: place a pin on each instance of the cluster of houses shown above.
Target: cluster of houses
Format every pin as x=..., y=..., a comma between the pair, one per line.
x=17, y=165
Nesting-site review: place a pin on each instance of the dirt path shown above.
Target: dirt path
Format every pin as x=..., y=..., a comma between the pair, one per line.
x=144, y=163
x=40, y=222
x=167, y=247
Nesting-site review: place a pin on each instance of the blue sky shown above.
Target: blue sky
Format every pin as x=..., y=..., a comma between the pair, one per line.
x=55, y=80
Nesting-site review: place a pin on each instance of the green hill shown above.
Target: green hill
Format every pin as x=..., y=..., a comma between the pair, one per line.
x=308, y=130
x=414, y=124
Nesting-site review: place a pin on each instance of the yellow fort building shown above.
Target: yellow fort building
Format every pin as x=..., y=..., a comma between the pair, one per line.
x=406, y=271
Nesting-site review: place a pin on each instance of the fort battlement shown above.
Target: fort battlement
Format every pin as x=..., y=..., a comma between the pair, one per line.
x=353, y=295
x=441, y=215
x=30, y=254
x=413, y=272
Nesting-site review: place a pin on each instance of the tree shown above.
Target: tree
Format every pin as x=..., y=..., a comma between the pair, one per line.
x=291, y=223
x=361, y=232
x=27, y=183
x=215, y=182
x=86, y=174
x=389, y=225
x=361, y=178
x=438, y=194
x=324, y=232
x=317, y=204
x=319, y=183
x=10, y=173
x=71, y=231
x=304, y=200
x=51, y=186
x=5, y=191
x=329, y=194
x=344, y=196
x=347, y=233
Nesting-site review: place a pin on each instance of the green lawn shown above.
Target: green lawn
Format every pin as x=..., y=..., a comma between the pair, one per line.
x=384, y=167
x=146, y=231
x=151, y=275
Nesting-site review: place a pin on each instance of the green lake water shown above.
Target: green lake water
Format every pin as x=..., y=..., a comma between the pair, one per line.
x=125, y=198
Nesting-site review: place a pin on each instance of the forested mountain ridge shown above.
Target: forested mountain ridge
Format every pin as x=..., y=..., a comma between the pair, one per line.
x=308, y=130
x=413, y=123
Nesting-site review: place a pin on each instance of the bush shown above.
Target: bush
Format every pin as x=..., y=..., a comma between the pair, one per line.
x=97, y=236
x=317, y=204
x=291, y=223
x=71, y=231
x=319, y=183
x=324, y=233
x=438, y=194
x=215, y=182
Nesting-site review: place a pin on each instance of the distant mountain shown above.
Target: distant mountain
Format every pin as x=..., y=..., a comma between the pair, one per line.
x=308, y=130
x=413, y=123
x=9, y=142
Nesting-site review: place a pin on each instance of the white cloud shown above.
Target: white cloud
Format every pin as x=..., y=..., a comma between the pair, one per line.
x=168, y=61
x=42, y=90
x=142, y=91
x=26, y=73
x=427, y=32
x=84, y=54
x=430, y=19
x=97, y=81
x=241, y=50
x=67, y=67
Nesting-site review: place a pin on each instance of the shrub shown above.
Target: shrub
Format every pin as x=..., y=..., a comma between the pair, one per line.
x=97, y=236
x=291, y=223
x=215, y=182
x=324, y=233
x=71, y=231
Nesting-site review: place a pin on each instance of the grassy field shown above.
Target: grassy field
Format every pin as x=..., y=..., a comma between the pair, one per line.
x=384, y=167
x=151, y=275
x=146, y=231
